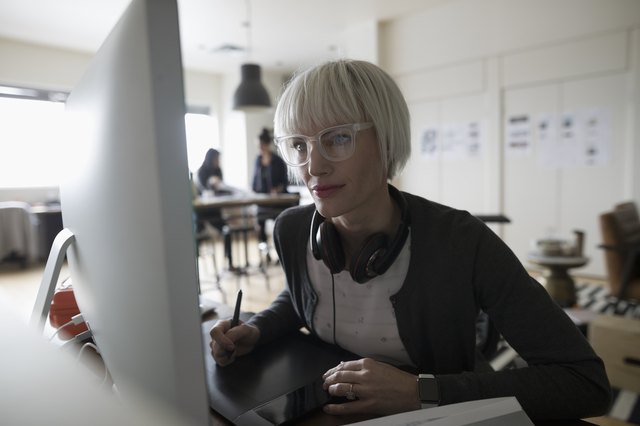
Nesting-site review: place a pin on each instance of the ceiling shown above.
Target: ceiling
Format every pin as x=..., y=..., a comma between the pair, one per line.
x=282, y=34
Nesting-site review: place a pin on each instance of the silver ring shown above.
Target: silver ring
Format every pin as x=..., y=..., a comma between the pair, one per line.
x=351, y=395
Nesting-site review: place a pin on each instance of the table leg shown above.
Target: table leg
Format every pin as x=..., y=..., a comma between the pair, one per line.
x=560, y=285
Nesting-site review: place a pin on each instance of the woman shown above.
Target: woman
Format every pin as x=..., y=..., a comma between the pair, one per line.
x=209, y=177
x=269, y=177
x=209, y=174
x=428, y=270
x=270, y=172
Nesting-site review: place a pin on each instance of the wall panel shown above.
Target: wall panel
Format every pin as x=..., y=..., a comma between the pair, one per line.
x=588, y=191
x=567, y=60
x=531, y=191
x=448, y=81
x=422, y=174
x=548, y=60
x=463, y=185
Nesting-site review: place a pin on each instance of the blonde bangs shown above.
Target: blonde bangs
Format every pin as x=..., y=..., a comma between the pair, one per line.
x=315, y=100
x=345, y=92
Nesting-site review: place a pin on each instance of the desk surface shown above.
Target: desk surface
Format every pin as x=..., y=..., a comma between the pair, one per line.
x=318, y=417
x=221, y=201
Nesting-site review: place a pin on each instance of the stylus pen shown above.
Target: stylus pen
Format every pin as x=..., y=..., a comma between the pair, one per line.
x=236, y=312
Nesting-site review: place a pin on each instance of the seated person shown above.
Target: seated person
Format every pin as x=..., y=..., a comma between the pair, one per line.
x=209, y=177
x=398, y=279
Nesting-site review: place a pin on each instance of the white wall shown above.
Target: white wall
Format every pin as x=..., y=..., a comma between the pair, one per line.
x=486, y=60
x=241, y=130
x=462, y=61
x=43, y=67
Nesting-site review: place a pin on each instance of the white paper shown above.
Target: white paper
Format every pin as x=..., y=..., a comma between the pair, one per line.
x=462, y=141
x=596, y=140
x=429, y=143
x=503, y=411
x=453, y=141
x=547, y=141
x=569, y=149
x=475, y=139
x=518, y=136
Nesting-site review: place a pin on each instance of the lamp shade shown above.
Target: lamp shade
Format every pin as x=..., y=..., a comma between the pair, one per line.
x=251, y=95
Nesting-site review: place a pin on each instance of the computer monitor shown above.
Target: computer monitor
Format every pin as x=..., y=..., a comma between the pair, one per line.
x=126, y=197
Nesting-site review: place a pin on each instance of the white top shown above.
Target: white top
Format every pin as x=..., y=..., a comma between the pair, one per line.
x=365, y=318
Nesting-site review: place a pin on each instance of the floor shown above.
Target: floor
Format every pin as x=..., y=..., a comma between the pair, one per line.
x=19, y=287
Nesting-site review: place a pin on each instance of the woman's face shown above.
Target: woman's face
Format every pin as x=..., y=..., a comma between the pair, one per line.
x=265, y=147
x=352, y=187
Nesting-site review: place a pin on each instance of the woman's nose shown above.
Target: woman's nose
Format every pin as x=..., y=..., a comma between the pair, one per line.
x=317, y=165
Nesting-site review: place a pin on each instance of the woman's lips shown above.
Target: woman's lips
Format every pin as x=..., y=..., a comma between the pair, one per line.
x=325, y=191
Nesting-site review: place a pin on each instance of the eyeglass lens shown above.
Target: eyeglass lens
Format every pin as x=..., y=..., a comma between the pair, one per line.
x=335, y=144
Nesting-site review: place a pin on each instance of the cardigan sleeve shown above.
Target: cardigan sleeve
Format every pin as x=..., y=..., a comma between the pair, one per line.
x=564, y=377
x=277, y=320
x=283, y=316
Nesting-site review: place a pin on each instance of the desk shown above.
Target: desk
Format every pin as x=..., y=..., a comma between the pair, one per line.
x=318, y=417
x=202, y=205
x=555, y=277
x=241, y=223
x=493, y=218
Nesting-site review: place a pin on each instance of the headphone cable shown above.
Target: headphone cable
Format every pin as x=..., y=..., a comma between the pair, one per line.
x=333, y=294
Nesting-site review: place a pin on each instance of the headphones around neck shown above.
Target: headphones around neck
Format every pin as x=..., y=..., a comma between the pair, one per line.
x=375, y=256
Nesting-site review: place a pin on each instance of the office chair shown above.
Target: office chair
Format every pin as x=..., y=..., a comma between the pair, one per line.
x=18, y=238
x=620, y=230
x=206, y=237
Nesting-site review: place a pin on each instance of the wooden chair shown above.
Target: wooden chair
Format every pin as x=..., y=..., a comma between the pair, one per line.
x=621, y=243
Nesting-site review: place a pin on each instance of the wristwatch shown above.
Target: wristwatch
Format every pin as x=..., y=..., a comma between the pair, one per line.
x=428, y=391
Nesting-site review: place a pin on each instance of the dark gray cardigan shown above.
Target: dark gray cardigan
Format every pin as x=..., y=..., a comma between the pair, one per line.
x=459, y=266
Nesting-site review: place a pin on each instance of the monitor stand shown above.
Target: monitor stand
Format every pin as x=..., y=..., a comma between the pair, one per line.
x=50, y=278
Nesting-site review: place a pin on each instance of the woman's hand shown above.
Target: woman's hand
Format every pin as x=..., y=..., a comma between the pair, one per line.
x=375, y=387
x=228, y=343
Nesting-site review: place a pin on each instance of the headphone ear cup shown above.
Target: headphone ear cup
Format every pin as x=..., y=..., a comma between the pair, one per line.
x=316, y=220
x=364, y=263
x=330, y=247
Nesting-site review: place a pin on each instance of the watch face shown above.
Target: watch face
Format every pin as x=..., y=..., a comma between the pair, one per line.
x=428, y=389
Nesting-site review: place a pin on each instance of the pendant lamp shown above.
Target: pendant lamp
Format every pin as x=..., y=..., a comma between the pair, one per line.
x=251, y=95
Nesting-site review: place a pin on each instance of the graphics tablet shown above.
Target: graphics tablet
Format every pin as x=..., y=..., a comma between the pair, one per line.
x=275, y=384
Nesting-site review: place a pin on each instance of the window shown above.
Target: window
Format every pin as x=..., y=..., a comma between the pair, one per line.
x=202, y=134
x=29, y=143
x=32, y=128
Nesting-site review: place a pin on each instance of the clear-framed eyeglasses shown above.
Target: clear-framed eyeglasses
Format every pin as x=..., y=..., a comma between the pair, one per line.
x=336, y=143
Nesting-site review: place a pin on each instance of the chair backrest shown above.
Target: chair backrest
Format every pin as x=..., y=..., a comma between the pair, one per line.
x=17, y=230
x=620, y=230
x=627, y=222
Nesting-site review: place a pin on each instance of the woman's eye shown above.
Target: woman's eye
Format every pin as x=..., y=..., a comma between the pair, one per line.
x=338, y=138
x=299, y=146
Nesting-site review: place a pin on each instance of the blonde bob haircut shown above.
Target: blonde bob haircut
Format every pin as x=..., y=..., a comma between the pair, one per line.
x=344, y=92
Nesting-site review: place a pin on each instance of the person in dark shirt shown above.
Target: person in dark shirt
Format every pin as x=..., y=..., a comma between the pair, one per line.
x=269, y=177
x=209, y=177
x=400, y=280
x=209, y=174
